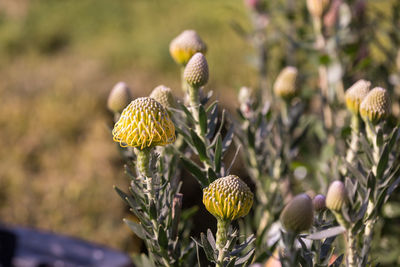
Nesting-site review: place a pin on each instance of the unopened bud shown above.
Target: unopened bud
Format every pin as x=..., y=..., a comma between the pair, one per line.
x=285, y=83
x=164, y=96
x=317, y=7
x=336, y=196
x=298, y=214
x=118, y=98
x=196, y=71
x=355, y=95
x=319, y=202
x=376, y=106
x=185, y=45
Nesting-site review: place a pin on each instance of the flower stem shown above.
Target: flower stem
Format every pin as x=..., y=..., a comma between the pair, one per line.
x=222, y=229
x=352, y=248
x=355, y=127
x=194, y=101
x=143, y=157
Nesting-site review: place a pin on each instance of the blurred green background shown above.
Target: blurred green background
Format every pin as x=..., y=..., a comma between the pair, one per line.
x=60, y=59
x=58, y=62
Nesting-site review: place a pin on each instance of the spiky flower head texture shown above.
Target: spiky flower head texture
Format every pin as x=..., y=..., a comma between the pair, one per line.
x=185, y=45
x=319, y=202
x=196, y=71
x=376, y=106
x=355, y=95
x=164, y=96
x=144, y=123
x=298, y=214
x=336, y=196
x=228, y=198
x=119, y=97
x=316, y=7
x=285, y=83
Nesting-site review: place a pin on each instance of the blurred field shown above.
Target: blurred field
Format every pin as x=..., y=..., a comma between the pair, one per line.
x=58, y=61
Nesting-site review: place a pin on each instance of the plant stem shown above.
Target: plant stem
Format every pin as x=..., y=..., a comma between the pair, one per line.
x=352, y=248
x=222, y=229
x=355, y=127
x=143, y=157
x=194, y=101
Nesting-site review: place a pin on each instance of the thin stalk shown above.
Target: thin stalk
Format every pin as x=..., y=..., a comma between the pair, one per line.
x=143, y=157
x=355, y=127
x=222, y=231
x=194, y=101
x=352, y=260
x=369, y=224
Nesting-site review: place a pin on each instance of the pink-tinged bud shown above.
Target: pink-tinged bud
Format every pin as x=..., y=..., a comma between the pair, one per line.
x=119, y=97
x=298, y=214
x=319, y=203
x=331, y=17
x=336, y=197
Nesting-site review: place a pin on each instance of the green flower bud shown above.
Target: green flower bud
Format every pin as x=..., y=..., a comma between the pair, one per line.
x=164, y=96
x=336, y=196
x=285, y=83
x=298, y=214
x=376, y=106
x=228, y=198
x=196, y=71
x=119, y=97
x=185, y=45
x=319, y=202
x=355, y=95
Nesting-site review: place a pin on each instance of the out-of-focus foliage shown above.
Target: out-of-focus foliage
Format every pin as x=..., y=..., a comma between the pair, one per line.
x=58, y=61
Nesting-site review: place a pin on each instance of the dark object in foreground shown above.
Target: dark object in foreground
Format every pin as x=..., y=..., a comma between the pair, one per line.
x=24, y=247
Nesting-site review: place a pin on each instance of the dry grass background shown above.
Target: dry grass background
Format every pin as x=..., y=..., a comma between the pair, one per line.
x=58, y=61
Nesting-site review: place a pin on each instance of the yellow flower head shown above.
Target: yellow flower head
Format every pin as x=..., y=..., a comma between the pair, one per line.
x=376, y=106
x=185, y=45
x=285, y=83
x=228, y=198
x=355, y=95
x=144, y=123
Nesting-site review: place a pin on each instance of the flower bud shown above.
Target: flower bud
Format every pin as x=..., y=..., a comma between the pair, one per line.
x=228, y=198
x=336, y=196
x=164, y=96
x=355, y=95
x=319, y=202
x=317, y=7
x=376, y=106
x=298, y=214
x=196, y=71
x=119, y=97
x=285, y=83
x=144, y=123
x=185, y=45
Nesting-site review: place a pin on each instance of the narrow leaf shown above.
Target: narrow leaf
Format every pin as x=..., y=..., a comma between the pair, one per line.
x=195, y=171
x=202, y=120
x=199, y=145
x=218, y=154
x=334, y=231
x=136, y=228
